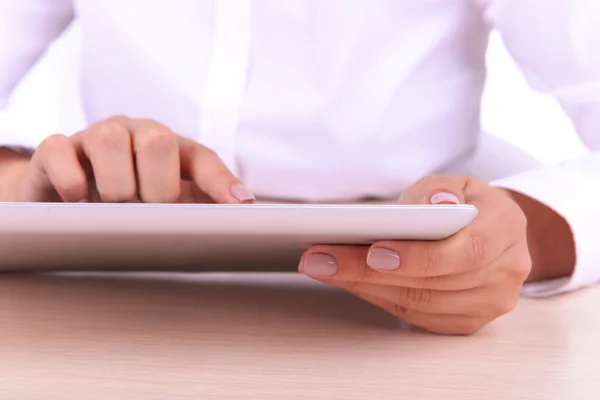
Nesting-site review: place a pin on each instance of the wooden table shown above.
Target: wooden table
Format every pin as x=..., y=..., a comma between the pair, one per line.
x=279, y=336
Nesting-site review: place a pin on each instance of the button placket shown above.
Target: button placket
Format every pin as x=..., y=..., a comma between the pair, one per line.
x=226, y=78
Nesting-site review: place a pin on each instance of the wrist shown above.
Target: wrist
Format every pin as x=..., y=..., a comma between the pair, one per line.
x=549, y=238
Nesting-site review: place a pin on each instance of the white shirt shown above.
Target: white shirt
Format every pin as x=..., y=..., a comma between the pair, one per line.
x=330, y=99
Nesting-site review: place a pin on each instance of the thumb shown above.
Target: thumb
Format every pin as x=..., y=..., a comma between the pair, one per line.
x=435, y=190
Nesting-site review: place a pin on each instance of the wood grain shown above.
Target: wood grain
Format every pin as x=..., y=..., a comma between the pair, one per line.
x=279, y=336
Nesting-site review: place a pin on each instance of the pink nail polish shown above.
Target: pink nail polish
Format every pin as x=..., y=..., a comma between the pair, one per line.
x=444, y=198
x=319, y=265
x=242, y=194
x=383, y=259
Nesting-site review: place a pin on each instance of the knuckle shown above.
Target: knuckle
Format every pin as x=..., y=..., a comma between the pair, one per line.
x=505, y=301
x=521, y=273
x=479, y=249
x=517, y=271
x=52, y=143
x=523, y=268
x=157, y=139
x=111, y=134
x=120, y=119
x=147, y=122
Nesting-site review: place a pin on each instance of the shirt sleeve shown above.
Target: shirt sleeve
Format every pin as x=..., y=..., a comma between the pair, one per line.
x=557, y=47
x=27, y=28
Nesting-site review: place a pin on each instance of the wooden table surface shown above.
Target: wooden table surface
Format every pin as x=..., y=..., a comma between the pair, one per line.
x=279, y=336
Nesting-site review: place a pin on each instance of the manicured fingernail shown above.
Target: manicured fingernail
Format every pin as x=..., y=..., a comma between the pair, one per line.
x=383, y=259
x=319, y=265
x=242, y=194
x=444, y=198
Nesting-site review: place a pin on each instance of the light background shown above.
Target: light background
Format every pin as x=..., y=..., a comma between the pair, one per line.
x=47, y=101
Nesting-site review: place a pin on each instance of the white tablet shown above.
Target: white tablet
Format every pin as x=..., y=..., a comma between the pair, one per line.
x=207, y=237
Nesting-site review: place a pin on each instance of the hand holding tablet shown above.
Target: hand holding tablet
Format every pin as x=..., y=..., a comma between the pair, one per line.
x=451, y=286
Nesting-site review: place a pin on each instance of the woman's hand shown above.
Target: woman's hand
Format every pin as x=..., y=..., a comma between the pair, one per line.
x=123, y=159
x=453, y=286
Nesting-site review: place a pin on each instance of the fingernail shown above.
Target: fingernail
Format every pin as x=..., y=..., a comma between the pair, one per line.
x=319, y=265
x=444, y=198
x=83, y=201
x=242, y=194
x=383, y=259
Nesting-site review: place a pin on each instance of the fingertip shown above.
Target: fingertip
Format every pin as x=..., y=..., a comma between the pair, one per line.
x=383, y=258
x=318, y=265
x=241, y=193
x=435, y=190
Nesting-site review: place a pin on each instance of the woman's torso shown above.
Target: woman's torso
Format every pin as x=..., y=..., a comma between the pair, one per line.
x=304, y=99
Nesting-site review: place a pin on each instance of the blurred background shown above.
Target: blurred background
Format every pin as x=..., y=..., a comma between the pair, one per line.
x=48, y=101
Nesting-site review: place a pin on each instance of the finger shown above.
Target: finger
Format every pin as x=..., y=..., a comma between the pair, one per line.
x=463, y=253
x=436, y=190
x=414, y=259
x=55, y=167
x=434, y=323
x=490, y=301
x=108, y=147
x=191, y=194
x=211, y=175
x=157, y=160
x=350, y=265
x=499, y=225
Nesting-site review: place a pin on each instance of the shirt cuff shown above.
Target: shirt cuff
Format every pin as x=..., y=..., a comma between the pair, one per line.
x=572, y=189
